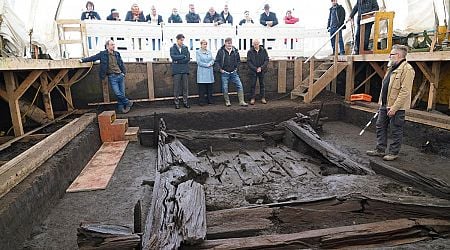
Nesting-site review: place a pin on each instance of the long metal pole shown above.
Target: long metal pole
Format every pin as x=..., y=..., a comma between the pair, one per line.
x=334, y=34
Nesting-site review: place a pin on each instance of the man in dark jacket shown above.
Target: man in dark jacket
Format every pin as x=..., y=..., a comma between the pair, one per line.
x=180, y=70
x=227, y=62
x=114, y=16
x=111, y=66
x=336, y=19
x=362, y=7
x=226, y=16
x=257, y=61
x=192, y=17
x=153, y=17
x=212, y=17
x=175, y=17
x=268, y=18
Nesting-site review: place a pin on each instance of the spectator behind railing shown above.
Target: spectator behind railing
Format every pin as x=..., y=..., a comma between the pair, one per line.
x=90, y=13
x=289, y=19
x=192, y=17
x=247, y=19
x=226, y=16
x=114, y=16
x=213, y=17
x=362, y=7
x=175, y=17
x=268, y=18
x=135, y=14
x=153, y=17
x=336, y=19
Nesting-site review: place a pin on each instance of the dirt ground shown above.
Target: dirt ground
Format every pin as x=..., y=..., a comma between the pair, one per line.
x=111, y=206
x=115, y=204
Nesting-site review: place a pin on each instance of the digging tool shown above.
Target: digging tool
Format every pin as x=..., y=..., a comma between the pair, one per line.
x=368, y=124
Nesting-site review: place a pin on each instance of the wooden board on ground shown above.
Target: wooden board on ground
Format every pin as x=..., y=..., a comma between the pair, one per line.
x=17, y=169
x=100, y=168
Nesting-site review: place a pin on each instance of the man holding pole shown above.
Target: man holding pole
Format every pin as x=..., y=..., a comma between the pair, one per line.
x=395, y=98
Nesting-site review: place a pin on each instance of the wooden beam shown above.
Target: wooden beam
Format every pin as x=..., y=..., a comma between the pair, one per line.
x=31, y=78
x=364, y=82
x=57, y=79
x=349, y=79
x=150, y=83
x=17, y=63
x=367, y=80
x=419, y=93
x=68, y=98
x=105, y=88
x=32, y=111
x=308, y=96
x=378, y=69
x=14, y=109
x=17, y=169
x=76, y=77
x=46, y=97
x=426, y=71
x=298, y=73
x=282, y=76
x=434, y=84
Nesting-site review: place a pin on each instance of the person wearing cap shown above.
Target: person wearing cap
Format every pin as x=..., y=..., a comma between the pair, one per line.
x=90, y=13
x=268, y=18
x=175, y=17
x=114, y=16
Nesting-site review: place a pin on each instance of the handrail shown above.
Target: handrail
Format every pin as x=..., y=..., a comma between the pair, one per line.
x=334, y=34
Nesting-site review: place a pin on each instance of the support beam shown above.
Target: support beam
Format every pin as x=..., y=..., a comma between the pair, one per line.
x=298, y=73
x=10, y=82
x=349, y=79
x=32, y=111
x=420, y=92
x=426, y=71
x=282, y=76
x=150, y=83
x=436, y=70
x=378, y=69
x=76, y=77
x=68, y=98
x=46, y=98
x=31, y=78
x=105, y=89
x=57, y=79
x=367, y=80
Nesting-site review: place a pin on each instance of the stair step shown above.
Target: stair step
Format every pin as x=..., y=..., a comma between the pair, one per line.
x=132, y=134
x=106, y=118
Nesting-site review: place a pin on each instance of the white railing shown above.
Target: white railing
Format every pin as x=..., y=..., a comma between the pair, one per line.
x=147, y=41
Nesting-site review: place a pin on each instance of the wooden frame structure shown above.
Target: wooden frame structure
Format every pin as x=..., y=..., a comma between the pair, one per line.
x=377, y=17
x=45, y=75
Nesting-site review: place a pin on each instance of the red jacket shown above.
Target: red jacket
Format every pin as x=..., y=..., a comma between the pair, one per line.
x=290, y=20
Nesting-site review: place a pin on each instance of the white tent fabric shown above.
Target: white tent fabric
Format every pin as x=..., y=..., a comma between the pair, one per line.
x=411, y=15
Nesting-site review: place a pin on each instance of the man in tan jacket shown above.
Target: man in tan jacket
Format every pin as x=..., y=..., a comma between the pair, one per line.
x=395, y=98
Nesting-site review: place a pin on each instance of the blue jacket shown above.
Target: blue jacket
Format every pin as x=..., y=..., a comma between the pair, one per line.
x=364, y=6
x=192, y=18
x=271, y=17
x=148, y=18
x=180, y=60
x=205, y=71
x=104, y=62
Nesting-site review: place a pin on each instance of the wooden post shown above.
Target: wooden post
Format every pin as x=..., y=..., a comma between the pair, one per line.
x=10, y=82
x=308, y=97
x=367, y=86
x=46, y=97
x=298, y=73
x=150, y=83
x=436, y=70
x=282, y=76
x=105, y=90
x=68, y=97
x=349, y=79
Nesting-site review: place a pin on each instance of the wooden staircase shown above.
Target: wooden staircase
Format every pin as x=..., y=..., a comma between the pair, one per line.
x=321, y=73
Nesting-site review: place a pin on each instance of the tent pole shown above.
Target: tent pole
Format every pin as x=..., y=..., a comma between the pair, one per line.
x=58, y=10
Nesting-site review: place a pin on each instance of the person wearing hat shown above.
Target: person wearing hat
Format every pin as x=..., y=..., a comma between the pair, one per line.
x=114, y=16
x=268, y=18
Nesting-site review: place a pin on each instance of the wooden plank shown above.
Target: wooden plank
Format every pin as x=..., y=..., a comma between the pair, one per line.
x=21, y=166
x=17, y=63
x=32, y=111
x=425, y=71
x=282, y=76
x=326, y=78
x=99, y=170
x=14, y=109
x=68, y=98
x=90, y=236
x=308, y=135
x=57, y=79
x=349, y=79
x=292, y=167
x=249, y=171
x=105, y=88
x=74, y=41
x=298, y=73
x=378, y=69
x=46, y=98
x=337, y=237
x=31, y=78
x=434, y=84
x=419, y=93
x=150, y=83
x=76, y=77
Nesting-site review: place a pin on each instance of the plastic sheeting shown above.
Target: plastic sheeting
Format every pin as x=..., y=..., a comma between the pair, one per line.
x=13, y=31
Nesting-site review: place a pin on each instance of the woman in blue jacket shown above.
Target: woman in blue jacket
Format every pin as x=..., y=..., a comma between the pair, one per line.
x=205, y=74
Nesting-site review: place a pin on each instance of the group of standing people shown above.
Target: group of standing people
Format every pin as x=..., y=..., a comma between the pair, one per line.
x=226, y=62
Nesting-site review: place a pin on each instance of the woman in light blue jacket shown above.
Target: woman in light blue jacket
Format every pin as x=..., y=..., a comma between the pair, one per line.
x=205, y=74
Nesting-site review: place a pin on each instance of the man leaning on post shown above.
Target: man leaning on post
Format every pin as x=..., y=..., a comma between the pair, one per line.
x=111, y=66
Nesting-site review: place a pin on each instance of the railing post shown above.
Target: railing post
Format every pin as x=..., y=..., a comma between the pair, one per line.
x=311, y=81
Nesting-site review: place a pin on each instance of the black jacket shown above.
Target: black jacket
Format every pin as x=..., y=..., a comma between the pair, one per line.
x=180, y=60
x=220, y=58
x=257, y=59
x=229, y=18
x=175, y=19
x=271, y=17
x=104, y=62
x=192, y=18
x=364, y=6
x=148, y=18
x=216, y=18
x=340, y=15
